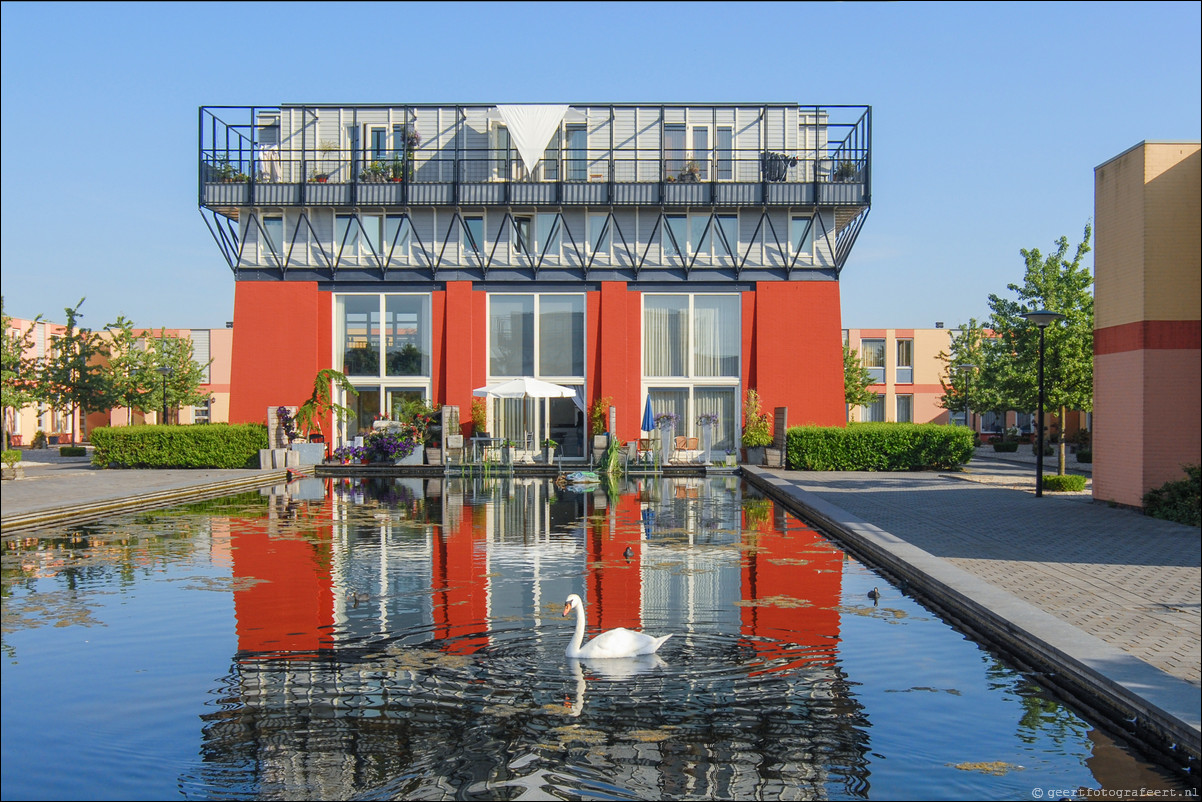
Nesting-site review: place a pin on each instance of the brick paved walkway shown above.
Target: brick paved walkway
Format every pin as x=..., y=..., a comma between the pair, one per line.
x=1134, y=582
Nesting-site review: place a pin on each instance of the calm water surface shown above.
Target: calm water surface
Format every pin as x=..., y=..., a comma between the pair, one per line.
x=403, y=639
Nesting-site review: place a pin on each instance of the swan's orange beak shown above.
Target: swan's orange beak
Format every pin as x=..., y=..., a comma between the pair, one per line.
x=567, y=608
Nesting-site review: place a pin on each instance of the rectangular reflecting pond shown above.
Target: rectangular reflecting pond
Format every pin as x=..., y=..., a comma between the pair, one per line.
x=404, y=639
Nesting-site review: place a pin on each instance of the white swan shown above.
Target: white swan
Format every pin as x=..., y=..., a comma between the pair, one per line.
x=614, y=643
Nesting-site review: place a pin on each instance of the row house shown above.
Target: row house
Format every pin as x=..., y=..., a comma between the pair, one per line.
x=678, y=252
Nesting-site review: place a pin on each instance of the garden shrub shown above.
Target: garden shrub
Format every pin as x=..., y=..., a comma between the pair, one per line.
x=1085, y=455
x=1179, y=501
x=72, y=451
x=10, y=456
x=213, y=445
x=1067, y=483
x=1008, y=447
x=878, y=447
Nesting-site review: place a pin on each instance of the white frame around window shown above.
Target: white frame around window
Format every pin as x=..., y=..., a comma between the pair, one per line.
x=877, y=372
x=690, y=348
x=867, y=414
x=380, y=336
x=697, y=226
x=804, y=249
x=536, y=357
x=597, y=222
x=274, y=239
x=724, y=157
x=522, y=238
x=575, y=157
x=474, y=223
x=905, y=369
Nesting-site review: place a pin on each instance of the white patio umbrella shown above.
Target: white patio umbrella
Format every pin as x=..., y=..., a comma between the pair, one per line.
x=526, y=387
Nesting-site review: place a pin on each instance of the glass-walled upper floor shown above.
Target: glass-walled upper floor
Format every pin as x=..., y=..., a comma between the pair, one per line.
x=623, y=154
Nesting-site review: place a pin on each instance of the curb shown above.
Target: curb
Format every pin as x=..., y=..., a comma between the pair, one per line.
x=80, y=513
x=1113, y=685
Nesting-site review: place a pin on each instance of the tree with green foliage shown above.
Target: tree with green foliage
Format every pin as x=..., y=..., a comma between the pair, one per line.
x=1054, y=283
x=130, y=374
x=966, y=381
x=16, y=371
x=184, y=380
x=856, y=379
x=71, y=378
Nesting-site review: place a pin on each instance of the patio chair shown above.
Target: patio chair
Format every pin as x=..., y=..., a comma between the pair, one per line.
x=678, y=449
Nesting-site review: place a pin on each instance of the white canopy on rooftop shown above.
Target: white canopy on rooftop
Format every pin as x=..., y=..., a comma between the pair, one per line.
x=531, y=126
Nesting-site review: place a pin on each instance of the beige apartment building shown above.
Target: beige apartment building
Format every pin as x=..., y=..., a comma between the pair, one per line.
x=907, y=371
x=209, y=346
x=1147, y=335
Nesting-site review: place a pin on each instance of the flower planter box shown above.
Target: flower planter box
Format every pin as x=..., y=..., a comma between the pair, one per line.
x=278, y=458
x=310, y=453
x=418, y=457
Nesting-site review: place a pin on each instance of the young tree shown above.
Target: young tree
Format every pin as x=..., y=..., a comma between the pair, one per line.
x=1059, y=285
x=129, y=370
x=70, y=376
x=16, y=372
x=966, y=385
x=855, y=381
x=184, y=379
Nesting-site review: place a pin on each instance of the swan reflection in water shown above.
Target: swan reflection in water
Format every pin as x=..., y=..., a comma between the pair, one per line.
x=614, y=669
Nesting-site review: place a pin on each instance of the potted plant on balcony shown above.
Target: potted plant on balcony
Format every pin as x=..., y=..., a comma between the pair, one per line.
x=396, y=171
x=846, y=172
x=549, y=447
x=757, y=429
x=690, y=173
x=374, y=173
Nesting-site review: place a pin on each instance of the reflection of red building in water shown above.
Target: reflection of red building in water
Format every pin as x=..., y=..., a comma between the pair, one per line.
x=290, y=599
x=792, y=583
x=283, y=583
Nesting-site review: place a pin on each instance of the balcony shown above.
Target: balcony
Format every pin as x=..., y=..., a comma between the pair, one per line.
x=604, y=156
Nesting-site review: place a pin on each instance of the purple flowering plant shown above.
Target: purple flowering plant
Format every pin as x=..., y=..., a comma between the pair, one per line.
x=391, y=444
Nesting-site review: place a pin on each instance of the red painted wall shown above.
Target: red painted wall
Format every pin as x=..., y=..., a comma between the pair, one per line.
x=619, y=369
x=796, y=350
x=282, y=337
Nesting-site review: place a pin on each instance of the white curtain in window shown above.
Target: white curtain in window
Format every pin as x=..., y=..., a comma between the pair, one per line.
x=718, y=401
x=716, y=335
x=665, y=332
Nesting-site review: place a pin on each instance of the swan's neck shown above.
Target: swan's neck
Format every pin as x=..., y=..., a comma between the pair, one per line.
x=578, y=638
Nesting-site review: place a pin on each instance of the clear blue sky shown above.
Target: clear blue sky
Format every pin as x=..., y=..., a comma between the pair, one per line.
x=989, y=119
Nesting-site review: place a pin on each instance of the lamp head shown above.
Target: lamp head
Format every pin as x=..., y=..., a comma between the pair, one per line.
x=1043, y=318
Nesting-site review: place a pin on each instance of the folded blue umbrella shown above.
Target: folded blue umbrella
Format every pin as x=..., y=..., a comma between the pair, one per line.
x=648, y=418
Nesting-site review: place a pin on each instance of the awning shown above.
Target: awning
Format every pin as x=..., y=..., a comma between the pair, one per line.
x=530, y=128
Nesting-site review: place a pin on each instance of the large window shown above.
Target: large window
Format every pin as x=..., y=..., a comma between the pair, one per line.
x=526, y=331
x=540, y=336
x=384, y=335
x=872, y=357
x=905, y=409
x=691, y=347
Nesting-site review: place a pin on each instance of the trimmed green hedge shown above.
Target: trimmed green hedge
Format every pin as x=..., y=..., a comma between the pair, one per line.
x=1068, y=483
x=1010, y=447
x=1085, y=455
x=211, y=445
x=878, y=447
x=72, y=451
x=1179, y=501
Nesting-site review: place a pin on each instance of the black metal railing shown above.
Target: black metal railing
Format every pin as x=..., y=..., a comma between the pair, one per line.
x=239, y=166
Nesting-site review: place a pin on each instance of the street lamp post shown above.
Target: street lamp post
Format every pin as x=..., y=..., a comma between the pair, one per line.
x=967, y=371
x=164, y=371
x=1042, y=319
